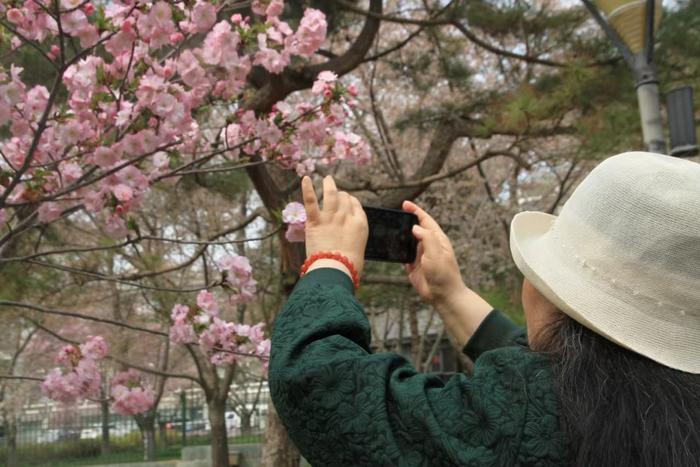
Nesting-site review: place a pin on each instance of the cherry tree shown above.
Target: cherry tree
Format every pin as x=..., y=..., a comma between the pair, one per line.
x=146, y=94
x=135, y=90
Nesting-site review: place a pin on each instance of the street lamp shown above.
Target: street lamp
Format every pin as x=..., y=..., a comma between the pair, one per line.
x=631, y=25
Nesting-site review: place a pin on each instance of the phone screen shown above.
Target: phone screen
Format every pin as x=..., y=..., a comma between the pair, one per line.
x=390, y=237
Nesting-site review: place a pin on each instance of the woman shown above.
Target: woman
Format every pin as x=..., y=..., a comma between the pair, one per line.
x=607, y=375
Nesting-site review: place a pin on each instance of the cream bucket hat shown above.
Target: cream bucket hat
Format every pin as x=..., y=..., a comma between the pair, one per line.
x=623, y=256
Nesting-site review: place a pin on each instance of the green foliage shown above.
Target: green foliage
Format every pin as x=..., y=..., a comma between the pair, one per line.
x=229, y=184
x=678, y=51
x=501, y=299
x=494, y=17
x=382, y=295
x=17, y=281
x=336, y=16
x=37, y=70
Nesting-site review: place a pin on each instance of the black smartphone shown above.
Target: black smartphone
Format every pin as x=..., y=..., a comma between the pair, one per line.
x=390, y=237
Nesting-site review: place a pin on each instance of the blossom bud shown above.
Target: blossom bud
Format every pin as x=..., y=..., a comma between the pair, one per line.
x=89, y=9
x=176, y=37
x=127, y=26
x=185, y=26
x=203, y=319
x=15, y=16
x=352, y=89
x=237, y=18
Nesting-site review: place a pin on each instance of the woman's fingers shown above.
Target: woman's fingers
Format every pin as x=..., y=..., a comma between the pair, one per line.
x=429, y=242
x=356, y=206
x=310, y=201
x=333, y=200
x=423, y=217
x=330, y=195
x=344, y=204
x=410, y=267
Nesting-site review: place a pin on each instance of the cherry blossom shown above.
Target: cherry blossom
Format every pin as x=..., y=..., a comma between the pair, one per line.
x=222, y=341
x=295, y=233
x=294, y=215
x=95, y=348
x=207, y=302
x=80, y=377
x=237, y=271
x=182, y=330
x=130, y=394
x=128, y=109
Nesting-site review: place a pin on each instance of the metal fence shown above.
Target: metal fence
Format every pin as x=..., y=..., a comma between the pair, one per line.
x=50, y=434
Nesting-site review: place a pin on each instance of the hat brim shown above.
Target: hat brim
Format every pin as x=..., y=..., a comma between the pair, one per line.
x=594, y=302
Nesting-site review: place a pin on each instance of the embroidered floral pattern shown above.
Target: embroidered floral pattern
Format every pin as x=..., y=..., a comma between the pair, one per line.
x=344, y=406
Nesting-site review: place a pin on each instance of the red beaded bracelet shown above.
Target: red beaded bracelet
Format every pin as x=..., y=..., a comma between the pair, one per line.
x=330, y=255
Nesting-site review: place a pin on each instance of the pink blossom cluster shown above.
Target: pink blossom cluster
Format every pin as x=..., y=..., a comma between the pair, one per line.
x=300, y=137
x=224, y=342
x=130, y=394
x=294, y=215
x=132, y=109
x=80, y=377
x=238, y=275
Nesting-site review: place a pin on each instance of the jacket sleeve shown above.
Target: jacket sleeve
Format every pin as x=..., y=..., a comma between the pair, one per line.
x=497, y=330
x=345, y=406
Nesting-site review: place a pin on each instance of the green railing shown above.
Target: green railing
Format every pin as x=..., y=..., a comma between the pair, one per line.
x=49, y=435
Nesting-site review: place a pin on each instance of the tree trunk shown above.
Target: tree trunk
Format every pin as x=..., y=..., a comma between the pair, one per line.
x=219, y=438
x=149, y=443
x=163, y=433
x=246, y=428
x=416, y=357
x=146, y=424
x=11, y=438
x=104, y=445
x=278, y=450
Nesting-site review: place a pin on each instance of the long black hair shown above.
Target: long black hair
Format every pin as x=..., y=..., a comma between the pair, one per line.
x=619, y=408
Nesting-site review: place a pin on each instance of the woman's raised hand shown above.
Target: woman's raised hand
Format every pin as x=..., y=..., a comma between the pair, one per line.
x=435, y=274
x=341, y=226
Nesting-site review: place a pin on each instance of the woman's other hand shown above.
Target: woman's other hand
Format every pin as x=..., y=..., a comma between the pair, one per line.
x=341, y=226
x=435, y=276
x=435, y=273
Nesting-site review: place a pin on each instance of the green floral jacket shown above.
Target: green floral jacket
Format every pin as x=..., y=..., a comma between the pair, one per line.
x=346, y=406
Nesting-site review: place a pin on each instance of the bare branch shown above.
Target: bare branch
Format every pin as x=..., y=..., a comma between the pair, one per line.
x=21, y=378
x=115, y=359
x=72, y=314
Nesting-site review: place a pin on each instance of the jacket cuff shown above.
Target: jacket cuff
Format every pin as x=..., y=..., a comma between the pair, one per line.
x=495, y=331
x=326, y=276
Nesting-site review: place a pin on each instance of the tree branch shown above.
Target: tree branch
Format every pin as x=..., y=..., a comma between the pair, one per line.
x=72, y=314
x=110, y=357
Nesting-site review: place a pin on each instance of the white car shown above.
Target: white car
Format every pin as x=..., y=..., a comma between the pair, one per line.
x=90, y=433
x=47, y=436
x=232, y=421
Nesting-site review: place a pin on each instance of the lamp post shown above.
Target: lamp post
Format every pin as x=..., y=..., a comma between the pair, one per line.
x=631, y=25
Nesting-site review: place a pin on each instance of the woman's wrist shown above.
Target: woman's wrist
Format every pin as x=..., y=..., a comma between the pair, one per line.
x=329, y=263
x=462, y=311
